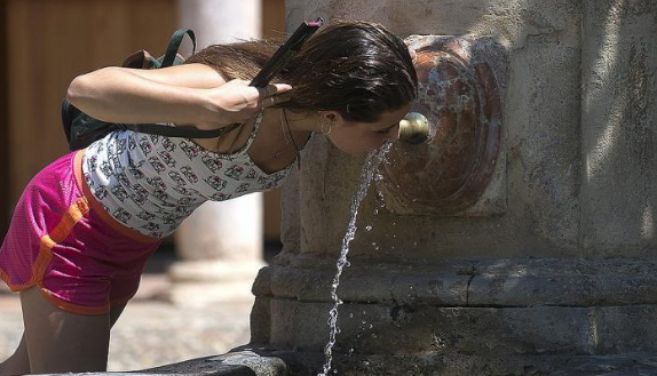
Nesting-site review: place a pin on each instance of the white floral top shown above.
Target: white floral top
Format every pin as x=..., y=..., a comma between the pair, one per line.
x=152, y=183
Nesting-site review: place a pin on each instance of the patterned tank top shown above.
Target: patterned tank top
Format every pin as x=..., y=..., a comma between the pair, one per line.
x=151, y=183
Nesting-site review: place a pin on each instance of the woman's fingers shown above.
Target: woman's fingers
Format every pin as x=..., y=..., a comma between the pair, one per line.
x=277, y=89
x=273, y=94
x=271, y=90
x=239, y=101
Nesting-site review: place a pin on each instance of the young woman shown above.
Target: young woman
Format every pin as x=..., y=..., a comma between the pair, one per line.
x=85, y=225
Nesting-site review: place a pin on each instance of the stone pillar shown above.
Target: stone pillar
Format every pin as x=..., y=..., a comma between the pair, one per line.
x=221, y=21
x=619, y=144
x=551, y=270
x=220, y=244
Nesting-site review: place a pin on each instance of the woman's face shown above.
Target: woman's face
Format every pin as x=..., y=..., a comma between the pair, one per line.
x=356, y=138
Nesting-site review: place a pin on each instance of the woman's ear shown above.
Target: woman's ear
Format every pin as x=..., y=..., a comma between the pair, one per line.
x=331, y=116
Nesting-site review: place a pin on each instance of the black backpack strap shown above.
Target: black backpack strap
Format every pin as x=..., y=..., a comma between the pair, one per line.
x=186, y=131
x=174, y=45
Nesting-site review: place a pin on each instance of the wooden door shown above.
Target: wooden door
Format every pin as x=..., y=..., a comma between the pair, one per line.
x=52, y=41
x=4, y=127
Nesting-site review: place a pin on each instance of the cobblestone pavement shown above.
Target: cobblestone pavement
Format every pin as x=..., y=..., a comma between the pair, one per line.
x=150, y=331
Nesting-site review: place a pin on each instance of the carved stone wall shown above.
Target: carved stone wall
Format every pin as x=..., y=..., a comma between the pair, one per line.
x=546, y=265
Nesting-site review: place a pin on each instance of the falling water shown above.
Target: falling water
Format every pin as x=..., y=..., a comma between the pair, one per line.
x=371, y=165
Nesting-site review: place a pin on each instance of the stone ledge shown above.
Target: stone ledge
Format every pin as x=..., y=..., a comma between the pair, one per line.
x=517, y=282
x=265, y=361
x=234, y=363
x=501, y=332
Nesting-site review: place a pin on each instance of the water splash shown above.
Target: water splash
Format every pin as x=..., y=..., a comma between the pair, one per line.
x=370, y=167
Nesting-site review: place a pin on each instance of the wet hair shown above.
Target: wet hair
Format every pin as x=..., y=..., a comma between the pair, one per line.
x=357, y=69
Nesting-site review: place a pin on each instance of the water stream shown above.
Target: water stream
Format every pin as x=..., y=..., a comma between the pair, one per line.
x=370, y=167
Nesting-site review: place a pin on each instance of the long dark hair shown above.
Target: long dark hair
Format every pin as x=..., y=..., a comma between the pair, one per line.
x=358, y=69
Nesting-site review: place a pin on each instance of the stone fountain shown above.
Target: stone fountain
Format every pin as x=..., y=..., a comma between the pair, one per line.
x=518, y=240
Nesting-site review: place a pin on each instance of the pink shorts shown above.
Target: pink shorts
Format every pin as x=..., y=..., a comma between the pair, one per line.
x=62, y=240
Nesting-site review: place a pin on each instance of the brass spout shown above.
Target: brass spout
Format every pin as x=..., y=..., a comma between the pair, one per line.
x=414, y=128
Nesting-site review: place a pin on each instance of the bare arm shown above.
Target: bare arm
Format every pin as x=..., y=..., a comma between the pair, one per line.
x=183, y=94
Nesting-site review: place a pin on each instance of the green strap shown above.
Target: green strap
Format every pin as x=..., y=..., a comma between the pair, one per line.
x=174, y=45
x=186, y=131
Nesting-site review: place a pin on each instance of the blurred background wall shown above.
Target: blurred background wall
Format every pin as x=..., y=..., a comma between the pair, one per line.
x=46, y=43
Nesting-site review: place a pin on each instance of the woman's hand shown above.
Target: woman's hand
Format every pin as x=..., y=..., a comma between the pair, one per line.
x=236, y=102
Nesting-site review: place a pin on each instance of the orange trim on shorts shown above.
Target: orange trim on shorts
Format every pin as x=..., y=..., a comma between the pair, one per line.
x=62, y=230
x=75, y=212
x=13, y=287
x=74, y=308
x=100, y=210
